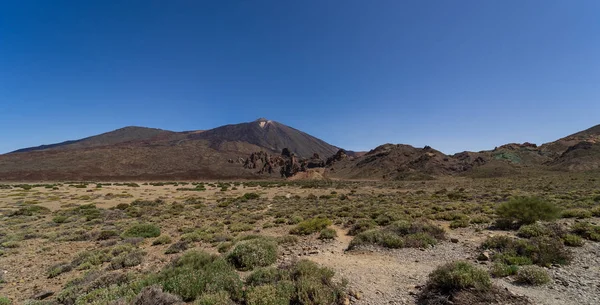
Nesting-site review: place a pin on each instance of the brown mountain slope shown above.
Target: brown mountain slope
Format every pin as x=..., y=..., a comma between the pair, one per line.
x=560, y=146
x=146, y=153
x=270, y=135
x=122, y=135
x=396, y=161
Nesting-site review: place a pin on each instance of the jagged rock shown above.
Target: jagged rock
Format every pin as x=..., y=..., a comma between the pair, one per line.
x=339, y=156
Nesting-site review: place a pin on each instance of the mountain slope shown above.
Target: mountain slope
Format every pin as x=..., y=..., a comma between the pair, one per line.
x=269, y=135
x=122, y=135
x=148, y=153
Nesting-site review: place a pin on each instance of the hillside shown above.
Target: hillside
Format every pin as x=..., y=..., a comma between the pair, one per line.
x=254, y=150
x=123, y=135
x=270, y=135
x=148, y=153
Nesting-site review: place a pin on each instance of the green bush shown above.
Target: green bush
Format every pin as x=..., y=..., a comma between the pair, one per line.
x=144, y=230
x=401, y=234
x=58, y=269
x=5, y=301
x=532, y=275
x=361, y=226
x=576, y=213
x=269, y=275
x=314, y=285
x=459, y=223
x=248, y=254
x=271, y=294
x=533, y=230
x=127, y=259
x=304, y=282
x=215, y=298
x=526, y=210
x=503, y=270
x=162, y=240
x=328, y=234
x=587, y=231
x=572, y=240
x=197, y=273
x=107, y=234
x=310, y=226
x=543, y=251
x=60, y=219
x=458, y=276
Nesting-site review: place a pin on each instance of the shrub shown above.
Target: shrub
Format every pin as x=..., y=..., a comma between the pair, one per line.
x=5, y=301
x=526, y=210
x=587, y=231
x=459, y=223
x=361, y=226
x=107, y=234
x=30, y=210
x=144, y=230
x=287, y=240
x=215, y=298
x=294, y=220
x=542, y=251
x=314, y=285
x=248, y=254
x=401, y=234
x=127, y=259
x=250, y=196
x=177, y=247
x=327, y=234
x=457, y=276
x=154, y=295
x=58, y=269
x=503, y=270
x=272, y=294
x=310, y=226
x=60, y=219
x=532, y=230
x=532, y=275
x=269, y=275
x=572, y=240
x=576, y=213
x=197, y=273
x=162, y=240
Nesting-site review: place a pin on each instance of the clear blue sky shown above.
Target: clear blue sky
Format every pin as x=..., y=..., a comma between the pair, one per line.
x=455, y=75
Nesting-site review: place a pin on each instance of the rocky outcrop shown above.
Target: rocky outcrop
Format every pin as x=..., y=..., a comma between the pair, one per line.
x=339, y=156
x=287, y=164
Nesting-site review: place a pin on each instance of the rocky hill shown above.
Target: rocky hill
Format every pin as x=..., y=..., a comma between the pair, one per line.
x=265, y=148
x=147, y=153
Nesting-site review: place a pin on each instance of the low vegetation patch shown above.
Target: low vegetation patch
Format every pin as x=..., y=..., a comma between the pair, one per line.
x=144, y=230
x=532, y=275
x=328, y=234
x=525, y=210
x=542, y=251
x=304, y=282
x=311, y=226
x=401, y=234
x=257, y=252
x=587, y=231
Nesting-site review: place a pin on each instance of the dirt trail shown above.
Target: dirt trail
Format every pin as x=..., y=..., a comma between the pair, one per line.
x=380, y=278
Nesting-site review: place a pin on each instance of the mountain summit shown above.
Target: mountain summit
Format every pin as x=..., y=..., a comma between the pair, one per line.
x=270, y=135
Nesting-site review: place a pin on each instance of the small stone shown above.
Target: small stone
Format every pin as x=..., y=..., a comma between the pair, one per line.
x=42, y=295
x=484, y=256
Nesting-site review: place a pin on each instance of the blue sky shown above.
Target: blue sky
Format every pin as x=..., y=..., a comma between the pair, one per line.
x=455, y=75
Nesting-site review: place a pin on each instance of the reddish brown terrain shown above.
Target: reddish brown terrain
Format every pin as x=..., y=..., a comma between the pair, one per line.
x=254, y=150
